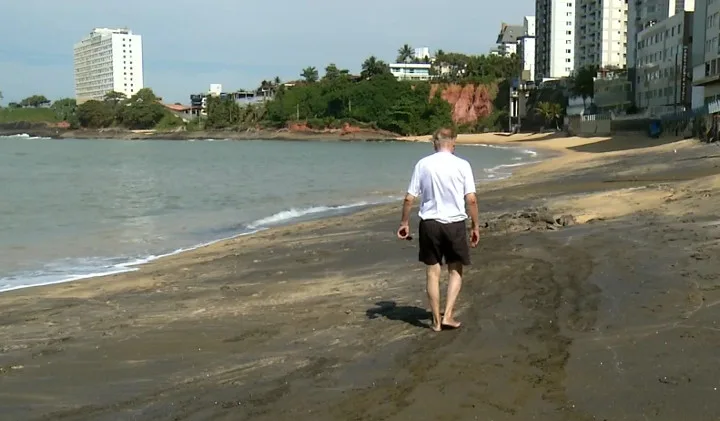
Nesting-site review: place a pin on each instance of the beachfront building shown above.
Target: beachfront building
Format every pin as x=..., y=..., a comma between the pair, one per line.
x=601, y=33
x=108, y=60
x=705, y=56
x=663, y=65
x=526, y=49
x=554, y=39
x=244, y=98
x=507, y=40
x=411, y=71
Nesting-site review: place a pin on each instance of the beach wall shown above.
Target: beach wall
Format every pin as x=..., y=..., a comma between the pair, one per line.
x=577, y=126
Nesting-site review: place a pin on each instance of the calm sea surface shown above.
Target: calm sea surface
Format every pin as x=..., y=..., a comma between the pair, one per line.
x=71, y=209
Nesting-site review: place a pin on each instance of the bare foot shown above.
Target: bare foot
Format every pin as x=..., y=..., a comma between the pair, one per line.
x=436, y=327
x=451, y=323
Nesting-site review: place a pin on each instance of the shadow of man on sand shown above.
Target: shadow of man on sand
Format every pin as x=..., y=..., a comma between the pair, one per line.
x=408, y=314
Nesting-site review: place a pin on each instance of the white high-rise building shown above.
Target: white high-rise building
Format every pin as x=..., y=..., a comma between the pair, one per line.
x=526, y=48
x=108, y=60
x=422, y=53
x=555, y=38
x=601, y=38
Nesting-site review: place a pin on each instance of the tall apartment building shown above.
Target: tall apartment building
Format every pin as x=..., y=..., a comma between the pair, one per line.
x=705, y=56
x=663, y=64
x=554, y=39
x=526, y=48
x=601, y=38
x=108, y=60
x=643, y=14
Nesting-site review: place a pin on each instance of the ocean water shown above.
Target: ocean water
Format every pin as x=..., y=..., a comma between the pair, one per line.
x=73, y=209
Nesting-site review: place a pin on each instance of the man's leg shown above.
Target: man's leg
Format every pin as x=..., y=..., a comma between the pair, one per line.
x=455, y=271
x=429, y=254
x=458, y=255
x=433, y=291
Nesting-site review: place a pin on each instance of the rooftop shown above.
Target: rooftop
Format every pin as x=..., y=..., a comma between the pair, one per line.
x=510, y=33
x=411, y=65
x=104, y=31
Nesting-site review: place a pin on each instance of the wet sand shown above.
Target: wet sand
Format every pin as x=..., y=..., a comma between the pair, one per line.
x=612, y=317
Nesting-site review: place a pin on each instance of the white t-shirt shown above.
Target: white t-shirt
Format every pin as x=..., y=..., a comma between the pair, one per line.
x=441, y=181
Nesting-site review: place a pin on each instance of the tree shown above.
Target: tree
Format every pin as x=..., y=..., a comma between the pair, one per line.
x=310, y=74
x=66, y=110
x=373, y=67
x=582, y=83
x=405, y=54
x=333, y=73
x=114, y=97
x=550, y=112
x=35, y=101
x=222, y=112
x=456, y=67
x=142, y=110
x=95, y=114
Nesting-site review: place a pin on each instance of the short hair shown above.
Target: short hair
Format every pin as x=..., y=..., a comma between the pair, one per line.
x=444, y=134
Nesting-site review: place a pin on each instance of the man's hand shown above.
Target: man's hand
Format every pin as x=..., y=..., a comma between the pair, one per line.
x=404, y=231
x=474, y=237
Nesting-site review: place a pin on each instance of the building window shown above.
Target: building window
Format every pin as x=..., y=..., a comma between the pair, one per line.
x=568, y=51
x=568, y=32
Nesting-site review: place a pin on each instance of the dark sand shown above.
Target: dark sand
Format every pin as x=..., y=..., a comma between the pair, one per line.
x=610, y=319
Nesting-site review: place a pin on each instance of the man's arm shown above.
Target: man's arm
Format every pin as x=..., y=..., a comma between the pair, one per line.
x=470, y=197
x=472, y=209
x=413, y=191
x=406, y=207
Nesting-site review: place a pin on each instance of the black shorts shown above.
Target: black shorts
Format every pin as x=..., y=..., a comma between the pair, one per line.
x=438, y=241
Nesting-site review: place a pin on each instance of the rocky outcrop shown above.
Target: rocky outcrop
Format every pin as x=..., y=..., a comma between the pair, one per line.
x=534, y=219
x=470, y=102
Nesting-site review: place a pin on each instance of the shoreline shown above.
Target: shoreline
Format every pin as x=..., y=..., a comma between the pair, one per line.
x=305, y=216
x=595, y=281
x=203, y=135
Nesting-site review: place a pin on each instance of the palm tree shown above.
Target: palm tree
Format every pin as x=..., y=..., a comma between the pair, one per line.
x=550, y=111
x=310, y=74
x=373, y=67
x=405, y=53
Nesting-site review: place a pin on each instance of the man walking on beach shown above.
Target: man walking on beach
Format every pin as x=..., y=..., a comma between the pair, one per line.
x=446, y=187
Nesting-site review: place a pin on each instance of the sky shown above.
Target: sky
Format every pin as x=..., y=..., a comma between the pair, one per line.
x=189, y=44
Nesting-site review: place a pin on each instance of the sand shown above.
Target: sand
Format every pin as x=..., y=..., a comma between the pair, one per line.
x=610, y=318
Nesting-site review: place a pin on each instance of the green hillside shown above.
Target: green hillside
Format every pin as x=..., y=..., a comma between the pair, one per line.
x=32, y=115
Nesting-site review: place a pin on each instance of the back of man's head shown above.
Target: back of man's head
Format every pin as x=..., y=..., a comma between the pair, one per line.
x=444, y=138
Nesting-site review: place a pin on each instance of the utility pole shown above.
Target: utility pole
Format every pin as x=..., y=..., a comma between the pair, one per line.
x=677, y=79
x=510, y=106
x=521, y=93
x=297, y=111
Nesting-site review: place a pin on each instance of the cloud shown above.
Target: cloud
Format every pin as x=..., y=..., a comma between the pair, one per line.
x=188, y=44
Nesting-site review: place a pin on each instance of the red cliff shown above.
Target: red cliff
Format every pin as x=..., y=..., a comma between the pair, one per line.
x=469, y=102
